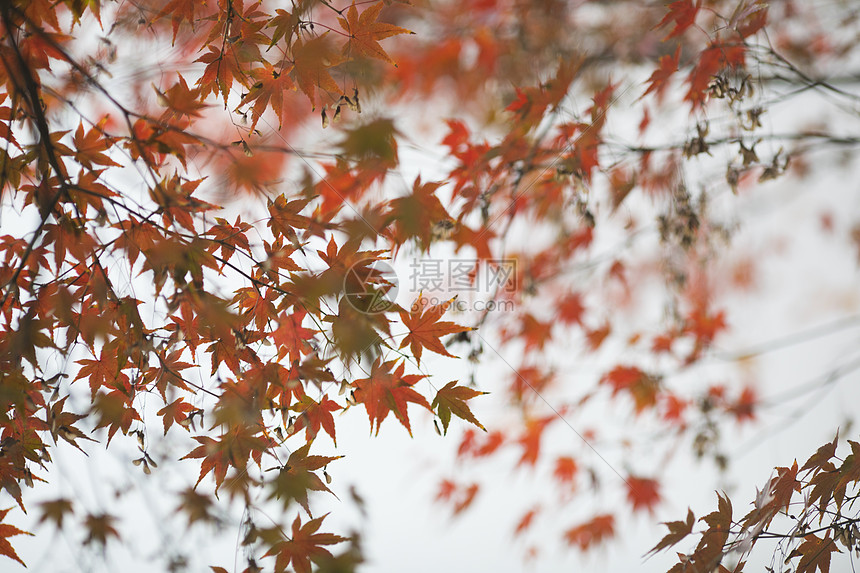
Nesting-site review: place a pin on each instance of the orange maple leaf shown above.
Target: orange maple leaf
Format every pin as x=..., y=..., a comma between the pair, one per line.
x=7, y=531
x=314, y=415
x=175, y=412
x=591, y=532
x=303, y=545
x=385, y=391
x=565, y=470
x=425, y=330
x=90, y=145
x=365, y=32
x=291, y=337
x=271, y=84
x=179, y=11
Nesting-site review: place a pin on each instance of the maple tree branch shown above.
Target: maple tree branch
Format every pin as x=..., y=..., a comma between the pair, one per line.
x=815, y=332
x=30, y=91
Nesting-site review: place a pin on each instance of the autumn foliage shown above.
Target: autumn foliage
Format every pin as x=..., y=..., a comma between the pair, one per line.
x=207, y=208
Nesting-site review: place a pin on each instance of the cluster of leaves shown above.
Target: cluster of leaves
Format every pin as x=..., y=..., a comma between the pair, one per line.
x=251, y=335
x=275, y=344
x=819, y=498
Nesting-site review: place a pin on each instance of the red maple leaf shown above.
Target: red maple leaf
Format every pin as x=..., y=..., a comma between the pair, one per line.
x=571, y=309
x=682, y=13
x=643, y=493
x=667, y=66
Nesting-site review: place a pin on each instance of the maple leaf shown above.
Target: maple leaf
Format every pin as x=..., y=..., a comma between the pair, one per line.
x=7, y=531
x=452, y=399
x=814, y=553
x=571, y=309
x=314, y=415
x=291, y=337
x=565, y=470
x=303, y=546
x=56, y=511
x=233, y=448
x=114, y=412
x=175, y=412
x=709, y=551
x=642, y=387
x=682, y=13
x=667, y=66
x=822, y=455
x=196, y=506
x=61, y=424
x=460, y=496
x=269, y=88
x=180, y=100
x=387, y=391
x=591, y=532
x=313, y=60
x=744, y=408
x=365, y=32
x=99, y=528
x=466, y=498
x=283, y=23
x=418, y=214
x=90, y=145
x=535, y=332
x=678, y=530
x=595, y=337
x=643, y=493
x=531, y=438
x=425, y=330
x=221, y=69
x=297, y=477
x=525, y=521
x=711, y=60
x=783, y=486
x=179, y=11
x=529, y=381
